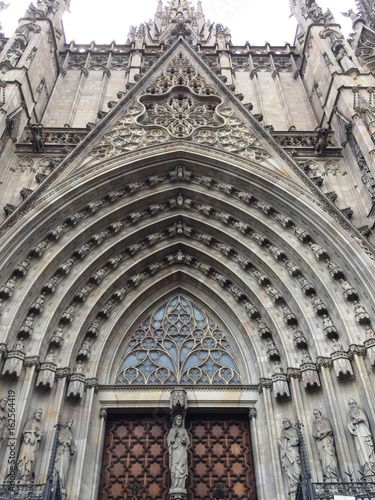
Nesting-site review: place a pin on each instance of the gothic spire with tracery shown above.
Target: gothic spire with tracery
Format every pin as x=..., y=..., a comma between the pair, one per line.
x=366, y=9
x=176, y=18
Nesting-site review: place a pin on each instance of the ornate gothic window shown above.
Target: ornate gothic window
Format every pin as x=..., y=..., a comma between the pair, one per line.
x=178, y=344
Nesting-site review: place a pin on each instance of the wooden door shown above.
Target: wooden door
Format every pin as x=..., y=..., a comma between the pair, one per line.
x=220, y=459
x=135, y=460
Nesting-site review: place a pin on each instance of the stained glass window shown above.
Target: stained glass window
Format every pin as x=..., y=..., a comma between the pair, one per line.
x=178, y=344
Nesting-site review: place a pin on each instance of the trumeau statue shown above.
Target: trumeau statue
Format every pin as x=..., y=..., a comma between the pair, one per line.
x=289, y=454
x=178, y=442
x=33, y=433
x=323, y=435
x=359, y=427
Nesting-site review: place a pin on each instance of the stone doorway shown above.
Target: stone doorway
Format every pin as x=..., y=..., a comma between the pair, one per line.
x=136, y=462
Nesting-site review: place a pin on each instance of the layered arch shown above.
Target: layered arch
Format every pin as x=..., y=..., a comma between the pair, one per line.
x=235, y=228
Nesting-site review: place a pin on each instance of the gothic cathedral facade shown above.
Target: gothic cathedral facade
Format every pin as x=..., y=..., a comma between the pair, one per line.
x=187, y=260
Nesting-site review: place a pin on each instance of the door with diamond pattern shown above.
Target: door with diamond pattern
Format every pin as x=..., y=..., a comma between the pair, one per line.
x=135, y=460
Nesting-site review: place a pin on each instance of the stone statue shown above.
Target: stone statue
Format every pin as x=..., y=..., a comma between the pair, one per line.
x=66, y=448
x=3, y=420
x=289, y=454
x=131, y=34
x=345, y=61
x=280, y=384
x=323, y=435
x=14, y=53
x=351, y=14
x=47, y=372
x=36, y=138
x=178, y=442
x=33, y=433
x=341, y=362
x=320, y=144
x=359, y=427
x=43, y=7
x=76, y=387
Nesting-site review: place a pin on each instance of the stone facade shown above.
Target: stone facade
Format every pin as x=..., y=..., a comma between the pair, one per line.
x=180, y=165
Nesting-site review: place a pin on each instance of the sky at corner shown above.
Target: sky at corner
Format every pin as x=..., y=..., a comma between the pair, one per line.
x=256, y=21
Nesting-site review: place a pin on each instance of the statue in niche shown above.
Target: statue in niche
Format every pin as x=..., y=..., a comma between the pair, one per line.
x=14, y=53
x=289, y=454
x=46, y=375
x=178, y=442
x=344, y=60
x=66, y=448
x=33, y=433
x=280, y=383
x=325, y=444
x=76, y=385
x=359, y=427
x=3, y=420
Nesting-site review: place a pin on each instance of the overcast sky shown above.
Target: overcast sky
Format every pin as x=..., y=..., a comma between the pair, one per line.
x=256, y=21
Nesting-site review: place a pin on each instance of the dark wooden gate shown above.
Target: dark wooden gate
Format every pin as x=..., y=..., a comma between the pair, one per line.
x=221, y=459
x=135, y=460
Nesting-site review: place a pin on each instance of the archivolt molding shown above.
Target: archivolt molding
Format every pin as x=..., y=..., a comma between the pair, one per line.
x=178, y=258
x=85, y=266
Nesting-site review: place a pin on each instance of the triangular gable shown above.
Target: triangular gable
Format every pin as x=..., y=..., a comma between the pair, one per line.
x=181, y=100
x=180, y=103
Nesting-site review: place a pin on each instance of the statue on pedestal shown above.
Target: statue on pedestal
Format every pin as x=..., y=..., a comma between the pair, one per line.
x=289, y=454
x=66, y=448
x=323, y=435
x=33, y=433
x=178, y=442
x=359, y=427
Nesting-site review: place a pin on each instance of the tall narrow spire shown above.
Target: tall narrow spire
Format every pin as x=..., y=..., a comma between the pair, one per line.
x=180, y=10
x=366, y=9
x=180, y=16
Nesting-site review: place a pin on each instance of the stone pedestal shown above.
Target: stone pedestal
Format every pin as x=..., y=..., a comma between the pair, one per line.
x=177, y=494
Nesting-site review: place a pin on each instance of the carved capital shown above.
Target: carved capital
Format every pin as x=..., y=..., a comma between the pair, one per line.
x=293, y=373
x=30, y=361
x=103, y=413
x=323, y=362
x=355, y=349
x=264, y=383
x=252, y=412
x=91, y=383
x=62, y=372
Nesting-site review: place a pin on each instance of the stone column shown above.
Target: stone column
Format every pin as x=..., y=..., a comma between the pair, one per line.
x=79, y=484
x=268, y=470
x=99, y=453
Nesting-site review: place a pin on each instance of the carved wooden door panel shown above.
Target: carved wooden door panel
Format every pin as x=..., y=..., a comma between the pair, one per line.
x=135, y=461
x=220, y=454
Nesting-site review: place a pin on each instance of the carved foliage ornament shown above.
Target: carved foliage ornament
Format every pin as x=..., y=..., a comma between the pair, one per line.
x=174, y=107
